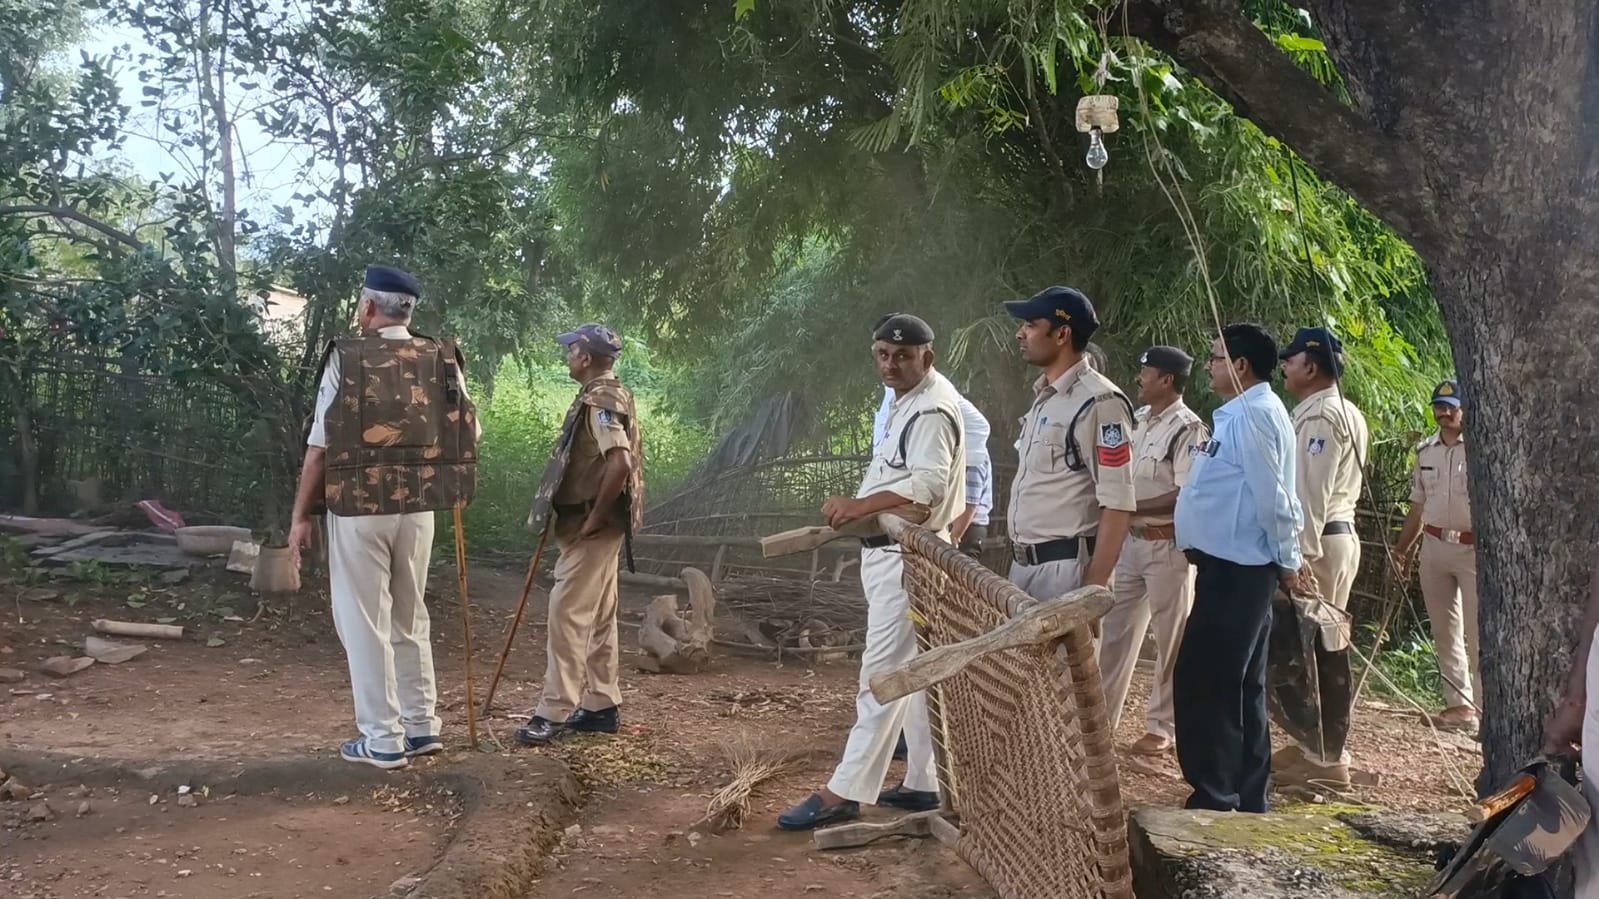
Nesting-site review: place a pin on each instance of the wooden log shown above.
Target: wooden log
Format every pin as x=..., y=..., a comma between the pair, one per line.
x=651, y=580
x=703, y=541
x=702, y=606
x=674, y=645
x=656, y=634
x=851, y=836
x=809, y=538
x=1037, y=624
x=137, y=629
x=716, y=564
x=1502, y=800
x=48, y=527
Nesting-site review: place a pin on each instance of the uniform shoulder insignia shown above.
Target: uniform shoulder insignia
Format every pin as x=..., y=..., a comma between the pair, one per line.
x=1315, y=446
x=1113, y=448
x=605, y=416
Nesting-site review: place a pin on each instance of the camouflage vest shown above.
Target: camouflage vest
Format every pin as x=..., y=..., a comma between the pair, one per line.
x=610, y=395
x=401, y=433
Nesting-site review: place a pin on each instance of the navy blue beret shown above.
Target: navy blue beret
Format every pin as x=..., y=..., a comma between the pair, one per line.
x=389, y=279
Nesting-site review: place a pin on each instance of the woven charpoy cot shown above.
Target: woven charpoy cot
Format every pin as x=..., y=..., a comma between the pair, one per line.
x=1025, y=754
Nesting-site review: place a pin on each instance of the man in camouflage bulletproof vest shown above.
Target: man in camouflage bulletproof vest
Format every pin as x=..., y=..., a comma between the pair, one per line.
x=394, y=437
x=594, y=485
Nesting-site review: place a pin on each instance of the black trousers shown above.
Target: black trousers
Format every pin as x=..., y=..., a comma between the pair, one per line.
x=1219, y=686
x=972, y=540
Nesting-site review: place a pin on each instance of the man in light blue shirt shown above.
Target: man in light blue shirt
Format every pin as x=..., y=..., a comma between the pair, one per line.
x=1238, y=520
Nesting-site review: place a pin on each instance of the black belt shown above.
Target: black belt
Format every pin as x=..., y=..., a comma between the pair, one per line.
x=1050, y=550
x=876, y=542
x=1334, y=528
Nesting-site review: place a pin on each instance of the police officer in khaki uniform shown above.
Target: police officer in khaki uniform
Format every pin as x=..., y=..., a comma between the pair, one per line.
x=1073, y=496
x=1154, y=581
x=1440, y=516
x=391, y=411
x=1332, y=444
x=597, y=484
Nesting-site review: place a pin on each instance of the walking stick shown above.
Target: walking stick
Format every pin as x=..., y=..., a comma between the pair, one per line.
x=516, y=622
x=466, y=624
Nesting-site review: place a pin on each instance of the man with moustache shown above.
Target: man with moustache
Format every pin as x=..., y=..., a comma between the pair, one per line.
x=1154, y=582
x=1331, y=438
x=917, y=460
x=1440, y=516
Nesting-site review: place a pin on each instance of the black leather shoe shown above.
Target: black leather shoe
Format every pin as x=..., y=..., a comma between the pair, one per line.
x=810, y=814
x=604, y=721
x=909, y=800
x=538, y=731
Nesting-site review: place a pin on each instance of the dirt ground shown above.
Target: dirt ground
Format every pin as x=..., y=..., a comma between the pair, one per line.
x=278, y=688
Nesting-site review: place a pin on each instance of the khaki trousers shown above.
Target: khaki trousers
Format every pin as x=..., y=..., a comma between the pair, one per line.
x=1153, y=583
x=582, y=649
x=1449, y=587
x=890, y=642
x=378, y=566
x=1335, y=574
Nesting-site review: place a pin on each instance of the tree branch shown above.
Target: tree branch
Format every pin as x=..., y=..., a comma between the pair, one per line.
x=1223, y=48
x=70, y=214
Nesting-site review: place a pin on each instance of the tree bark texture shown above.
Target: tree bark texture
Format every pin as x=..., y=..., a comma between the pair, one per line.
x=1475, y=134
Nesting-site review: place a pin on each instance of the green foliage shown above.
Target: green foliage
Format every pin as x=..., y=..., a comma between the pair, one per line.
x=520, y=423
x=1409, y=662
x=741, y=188
x=791, y=172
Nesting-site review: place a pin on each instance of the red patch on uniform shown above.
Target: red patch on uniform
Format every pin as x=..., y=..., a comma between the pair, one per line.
x=1115, y=456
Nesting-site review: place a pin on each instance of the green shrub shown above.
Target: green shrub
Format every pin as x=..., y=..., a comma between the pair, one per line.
x=521, y=420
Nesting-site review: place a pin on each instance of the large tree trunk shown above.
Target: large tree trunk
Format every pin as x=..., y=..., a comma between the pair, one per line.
x=1524, y=355
x=1475, y=134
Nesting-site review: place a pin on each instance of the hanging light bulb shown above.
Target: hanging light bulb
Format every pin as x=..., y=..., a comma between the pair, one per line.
x=1097, y=155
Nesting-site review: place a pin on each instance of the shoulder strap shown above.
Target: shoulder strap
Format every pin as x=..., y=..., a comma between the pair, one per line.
x=1171, y=448
x=905, y=433
x=1074, y=453
x=322, y=368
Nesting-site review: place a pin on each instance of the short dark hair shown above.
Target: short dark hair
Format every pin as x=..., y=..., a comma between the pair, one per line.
x=1326, y=361
x=1079, y=339
x=1253, y=344
x=1178, y=381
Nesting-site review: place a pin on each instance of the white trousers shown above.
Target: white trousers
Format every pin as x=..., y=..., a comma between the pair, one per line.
x=1585, y=853
x=1153, y=583
x=378, y=567
x=890, y=642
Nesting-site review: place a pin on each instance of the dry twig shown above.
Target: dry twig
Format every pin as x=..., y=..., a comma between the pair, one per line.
x=752, y=766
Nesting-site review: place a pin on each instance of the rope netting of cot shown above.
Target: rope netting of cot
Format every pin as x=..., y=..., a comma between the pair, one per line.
x=1025, y=752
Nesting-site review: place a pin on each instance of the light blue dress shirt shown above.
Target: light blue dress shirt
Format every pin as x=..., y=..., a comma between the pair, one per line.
x=1239, y=503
